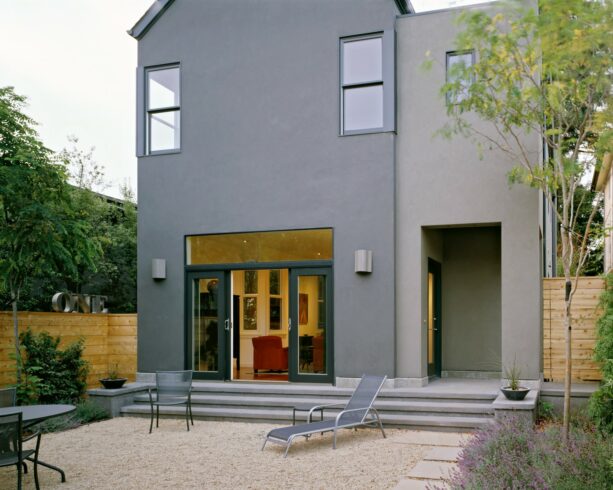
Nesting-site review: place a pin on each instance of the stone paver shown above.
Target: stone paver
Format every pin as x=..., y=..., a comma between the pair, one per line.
x=431, y=438
x=443, y=453
x=431, y=470
x=408, y=484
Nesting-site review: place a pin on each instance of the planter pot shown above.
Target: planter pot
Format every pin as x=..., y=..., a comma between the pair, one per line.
x=113, y=384
x=515, y=395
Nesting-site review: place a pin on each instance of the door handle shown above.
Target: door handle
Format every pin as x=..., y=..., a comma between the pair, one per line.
x=227, y=324
x=289, y=324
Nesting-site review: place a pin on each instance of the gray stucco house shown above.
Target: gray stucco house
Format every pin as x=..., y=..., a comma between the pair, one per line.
x=298, y=220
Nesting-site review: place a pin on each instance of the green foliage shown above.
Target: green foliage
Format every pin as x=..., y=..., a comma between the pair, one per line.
x=85, y=413
x=544, y=412
x=61, y=374
x=601, y=402
x=513, y=374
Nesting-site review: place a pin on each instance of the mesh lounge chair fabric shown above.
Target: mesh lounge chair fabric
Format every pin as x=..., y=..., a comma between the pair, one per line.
x=172, y=388
x=11, y=450
x=358, y=411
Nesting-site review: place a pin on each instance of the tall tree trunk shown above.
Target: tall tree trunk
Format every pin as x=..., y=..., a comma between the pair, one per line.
x=14, y=297
x=568, y=355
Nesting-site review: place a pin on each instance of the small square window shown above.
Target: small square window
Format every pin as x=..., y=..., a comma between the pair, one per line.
x=163, y=107
x=455, y=61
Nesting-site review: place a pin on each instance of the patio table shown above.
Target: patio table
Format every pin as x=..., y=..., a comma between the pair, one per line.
x=33, y=414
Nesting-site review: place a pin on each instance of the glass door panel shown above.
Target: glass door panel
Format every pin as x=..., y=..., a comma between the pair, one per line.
x=208, y=325
x=311, y=325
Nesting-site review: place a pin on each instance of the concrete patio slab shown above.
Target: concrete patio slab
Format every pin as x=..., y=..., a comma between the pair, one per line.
x=446, y=453
x=410, y=484
x=432, y=438
x=431, y=470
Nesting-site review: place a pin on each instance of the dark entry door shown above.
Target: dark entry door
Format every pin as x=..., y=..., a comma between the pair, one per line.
x=434, y=318
x=310, y=325
x=208, y=330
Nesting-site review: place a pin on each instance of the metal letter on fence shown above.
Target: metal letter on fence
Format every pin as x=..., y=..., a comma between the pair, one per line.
x=81, y=301
x=61, y=302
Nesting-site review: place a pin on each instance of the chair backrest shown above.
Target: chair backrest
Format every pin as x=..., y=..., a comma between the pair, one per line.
x=8, y=397
x=267, y=341
x=363, y=398
x=10, y=435
x=173, y=384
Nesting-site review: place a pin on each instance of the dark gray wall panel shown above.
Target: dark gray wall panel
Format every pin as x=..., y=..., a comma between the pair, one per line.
x=261, y=151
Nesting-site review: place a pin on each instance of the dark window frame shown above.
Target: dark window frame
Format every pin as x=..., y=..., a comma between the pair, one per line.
x=148, y=113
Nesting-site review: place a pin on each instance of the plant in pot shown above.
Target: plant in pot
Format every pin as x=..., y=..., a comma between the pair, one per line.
x=113, y=381
x=513, y=391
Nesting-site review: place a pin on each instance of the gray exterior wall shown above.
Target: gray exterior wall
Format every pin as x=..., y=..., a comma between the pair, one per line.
x=261, y=151
x=443, y=183
x=471, y=299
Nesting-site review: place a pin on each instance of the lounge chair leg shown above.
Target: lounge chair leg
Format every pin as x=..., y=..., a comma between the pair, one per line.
x=264, y=445
x=151, y=424
x=187, y=417
x=191, y=415
x=157, y=416
x=289, y=443
x=379, y=421
x=334, y=441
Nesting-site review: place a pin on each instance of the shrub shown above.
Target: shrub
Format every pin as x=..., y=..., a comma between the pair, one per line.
x=544, y=412
x=85, y=413
x=51, y=375
x=601, y=402
x=512, y=454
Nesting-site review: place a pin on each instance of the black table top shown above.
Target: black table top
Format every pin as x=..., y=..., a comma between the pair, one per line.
x=38, y=413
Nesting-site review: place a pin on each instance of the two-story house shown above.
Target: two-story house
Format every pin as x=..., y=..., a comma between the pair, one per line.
x=298, y=219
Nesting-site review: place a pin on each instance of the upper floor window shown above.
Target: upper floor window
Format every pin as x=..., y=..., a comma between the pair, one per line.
x=163, y=108
x=367, y=83
x=456, y=62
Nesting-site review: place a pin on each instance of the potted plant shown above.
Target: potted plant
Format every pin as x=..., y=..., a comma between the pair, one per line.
x=513, y=391
x=113, y=381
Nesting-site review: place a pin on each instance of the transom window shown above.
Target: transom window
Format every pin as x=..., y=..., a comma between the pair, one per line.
x=163, y=107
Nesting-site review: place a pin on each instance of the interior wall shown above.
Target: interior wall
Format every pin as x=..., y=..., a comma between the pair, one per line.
x=471, y=303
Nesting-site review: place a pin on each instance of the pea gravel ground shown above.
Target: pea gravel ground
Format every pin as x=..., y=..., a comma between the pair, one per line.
x=120, y=454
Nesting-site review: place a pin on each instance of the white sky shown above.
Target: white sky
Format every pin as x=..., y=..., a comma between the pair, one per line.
x=76, y=64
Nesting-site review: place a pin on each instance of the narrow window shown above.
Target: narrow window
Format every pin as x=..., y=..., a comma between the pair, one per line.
x=456, y=62
x=362, y=84
x=163, y=107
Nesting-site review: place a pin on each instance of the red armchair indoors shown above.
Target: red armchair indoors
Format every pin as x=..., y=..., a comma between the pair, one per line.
x=269, y=353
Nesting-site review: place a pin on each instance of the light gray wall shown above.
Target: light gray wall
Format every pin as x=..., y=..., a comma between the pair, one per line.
x=261, y=151
x=471, y=299
x=445, y=183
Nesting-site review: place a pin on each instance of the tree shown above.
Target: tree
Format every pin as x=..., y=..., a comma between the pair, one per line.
x=547, y=72
x=40, y=231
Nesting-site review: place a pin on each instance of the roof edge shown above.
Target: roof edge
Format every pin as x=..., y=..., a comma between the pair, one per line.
x=405, y=7
x=149, y=18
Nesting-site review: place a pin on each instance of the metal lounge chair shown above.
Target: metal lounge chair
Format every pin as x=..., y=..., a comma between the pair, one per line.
x=173, y=388
x=358, y=411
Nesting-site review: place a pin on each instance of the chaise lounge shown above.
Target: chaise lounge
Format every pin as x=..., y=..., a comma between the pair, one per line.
x=358, y=411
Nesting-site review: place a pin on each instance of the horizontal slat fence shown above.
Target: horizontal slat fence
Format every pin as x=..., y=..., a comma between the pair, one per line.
x=585, y=313
x=109, y=339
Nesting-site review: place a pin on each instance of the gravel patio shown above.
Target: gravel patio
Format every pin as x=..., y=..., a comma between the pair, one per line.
x=121, y=454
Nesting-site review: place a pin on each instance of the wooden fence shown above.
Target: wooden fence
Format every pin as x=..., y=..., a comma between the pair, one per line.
x=584, y=312
x=109, y=339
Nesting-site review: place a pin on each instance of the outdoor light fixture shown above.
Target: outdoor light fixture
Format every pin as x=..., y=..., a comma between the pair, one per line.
x=363, y=261
x=158, y=268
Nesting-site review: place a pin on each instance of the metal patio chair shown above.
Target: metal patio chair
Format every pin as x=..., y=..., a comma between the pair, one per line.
x=172, y=388
x=8, y=397
x=358, y=411
x=11, y=450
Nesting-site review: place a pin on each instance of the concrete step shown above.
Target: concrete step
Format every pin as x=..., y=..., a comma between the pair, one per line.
x=284, y=416
x=384, y=405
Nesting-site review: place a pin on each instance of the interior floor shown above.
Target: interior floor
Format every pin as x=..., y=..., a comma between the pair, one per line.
x=247, y=374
